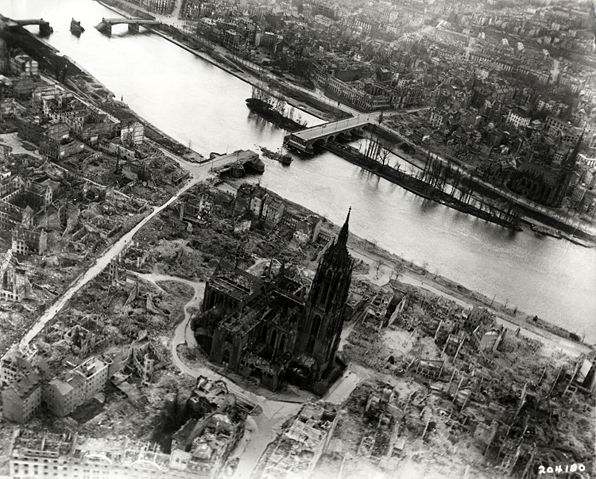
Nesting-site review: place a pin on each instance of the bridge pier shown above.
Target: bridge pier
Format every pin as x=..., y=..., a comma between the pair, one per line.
x=106, y=24
x=104, y=27
x=45, y=29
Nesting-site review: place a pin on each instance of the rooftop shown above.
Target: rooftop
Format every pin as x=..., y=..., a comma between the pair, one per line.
x=35, y=443
x=63, y=387
x=26, y=385
x=90, y=366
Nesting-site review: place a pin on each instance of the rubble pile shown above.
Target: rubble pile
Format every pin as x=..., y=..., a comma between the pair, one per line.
x=53, y=224
x=487, y=398
x=207, y=225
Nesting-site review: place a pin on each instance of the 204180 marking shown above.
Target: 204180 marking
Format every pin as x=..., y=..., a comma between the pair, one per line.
x=560, y=469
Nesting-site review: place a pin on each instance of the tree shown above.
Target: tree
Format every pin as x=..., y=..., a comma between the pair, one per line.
x=383, y=155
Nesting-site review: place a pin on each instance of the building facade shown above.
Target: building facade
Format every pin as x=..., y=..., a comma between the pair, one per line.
x=62, y=397
x=21, y=399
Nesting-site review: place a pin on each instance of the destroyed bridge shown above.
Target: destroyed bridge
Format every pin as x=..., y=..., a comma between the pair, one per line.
x=106, y=24
x=44, y=26
x=305, y=140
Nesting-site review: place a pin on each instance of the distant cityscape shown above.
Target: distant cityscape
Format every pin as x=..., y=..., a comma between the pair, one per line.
x=507, y=89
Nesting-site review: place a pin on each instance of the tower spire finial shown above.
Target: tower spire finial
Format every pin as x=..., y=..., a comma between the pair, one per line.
x=342, y=237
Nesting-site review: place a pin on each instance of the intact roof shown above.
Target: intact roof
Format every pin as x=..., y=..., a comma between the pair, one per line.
x=63, y=387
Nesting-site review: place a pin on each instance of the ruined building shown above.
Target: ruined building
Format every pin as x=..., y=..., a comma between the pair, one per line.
x=14, y=285
x=44, y=454
x=24, y=206
x=273, y=329
x=22, y=398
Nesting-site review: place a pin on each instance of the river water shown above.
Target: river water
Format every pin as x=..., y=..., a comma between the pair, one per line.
x=201, y=105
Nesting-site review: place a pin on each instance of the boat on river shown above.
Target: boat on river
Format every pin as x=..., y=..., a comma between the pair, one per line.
x=284, y=158
x=267, y=111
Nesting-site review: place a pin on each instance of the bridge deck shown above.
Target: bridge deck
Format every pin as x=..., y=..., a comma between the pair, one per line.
x=10, y=22
x=137, y=21
x=33, y=21
x=340, y=126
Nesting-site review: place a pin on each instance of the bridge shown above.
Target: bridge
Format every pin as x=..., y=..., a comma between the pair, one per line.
x=306, y=140
x=44, y=27
x=106, y=24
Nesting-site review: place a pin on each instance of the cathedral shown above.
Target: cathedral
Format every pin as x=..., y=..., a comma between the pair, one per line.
x=546, y=183
x=274, y=329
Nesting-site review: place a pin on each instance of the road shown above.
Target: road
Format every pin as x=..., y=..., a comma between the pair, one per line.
x=198, y=172
x=100, y=264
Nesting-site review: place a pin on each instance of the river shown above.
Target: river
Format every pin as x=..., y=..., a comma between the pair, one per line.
x=202, y=105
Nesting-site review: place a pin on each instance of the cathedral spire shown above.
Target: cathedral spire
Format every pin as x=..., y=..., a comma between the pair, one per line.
x=579, y=143
x=342, y=237
x=572, y=156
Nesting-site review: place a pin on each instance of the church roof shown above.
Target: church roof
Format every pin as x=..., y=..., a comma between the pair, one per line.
x=243, y=321
x=235, y=282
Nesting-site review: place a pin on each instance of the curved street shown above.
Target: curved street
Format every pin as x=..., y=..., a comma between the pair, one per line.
x=261, y=429
x=198, y=172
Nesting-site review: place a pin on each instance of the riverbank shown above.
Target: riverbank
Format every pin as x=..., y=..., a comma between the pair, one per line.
x=526, y=209
x=417, y=275
x=532, y=216
x=388, y=265
x=79, y=79
x=235, y=69
x=421, y=188
x=122, y=111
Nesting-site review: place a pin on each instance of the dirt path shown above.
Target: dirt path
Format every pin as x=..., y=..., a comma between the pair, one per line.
x=182, y=333
x=262, y=429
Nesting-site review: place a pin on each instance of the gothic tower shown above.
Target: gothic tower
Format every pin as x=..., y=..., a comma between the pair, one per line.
x=320, y=334
x=568, y=167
